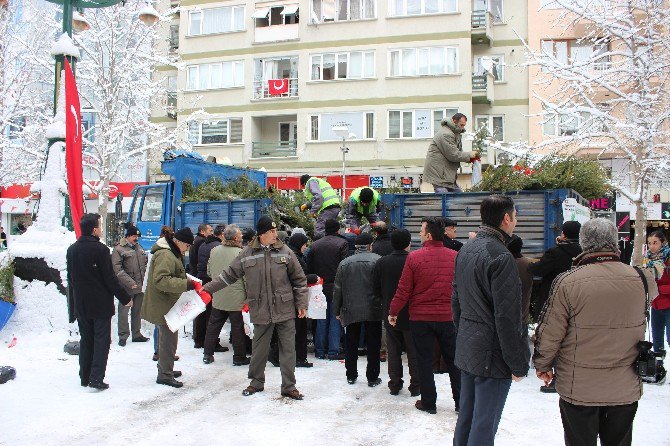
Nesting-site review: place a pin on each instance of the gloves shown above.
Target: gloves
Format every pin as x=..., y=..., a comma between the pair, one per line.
x=304, y=207
x=314, y=215
x=356, y=231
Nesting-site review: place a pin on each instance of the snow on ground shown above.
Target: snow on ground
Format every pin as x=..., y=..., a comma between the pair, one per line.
x=45, y=404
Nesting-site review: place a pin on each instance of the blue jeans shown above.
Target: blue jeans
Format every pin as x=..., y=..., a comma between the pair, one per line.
x=446, y=189
x=660, y=324
x=328, y=330
x=482, y=403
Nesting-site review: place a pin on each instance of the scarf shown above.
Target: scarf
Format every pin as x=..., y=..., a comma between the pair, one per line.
x=657, y=261
x=495, y=232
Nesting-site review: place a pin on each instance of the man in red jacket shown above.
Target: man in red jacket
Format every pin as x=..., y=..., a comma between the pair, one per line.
x=425, y=285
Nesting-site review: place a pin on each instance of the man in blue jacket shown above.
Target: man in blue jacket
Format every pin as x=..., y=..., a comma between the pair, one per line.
x=491, y=349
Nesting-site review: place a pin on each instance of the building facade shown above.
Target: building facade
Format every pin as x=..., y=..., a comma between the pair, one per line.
x=277, y=79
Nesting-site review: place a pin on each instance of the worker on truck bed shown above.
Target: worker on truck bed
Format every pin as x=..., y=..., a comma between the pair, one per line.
x=324, y=201
x=363, y=202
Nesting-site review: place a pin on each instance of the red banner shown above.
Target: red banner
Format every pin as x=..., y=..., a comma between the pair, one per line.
x=73, y=148
x=277, y=86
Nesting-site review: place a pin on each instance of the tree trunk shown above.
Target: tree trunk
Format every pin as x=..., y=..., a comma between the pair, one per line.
x=640, y=233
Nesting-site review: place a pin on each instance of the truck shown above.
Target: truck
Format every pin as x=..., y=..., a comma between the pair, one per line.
x=159, y=204
x=539, y=213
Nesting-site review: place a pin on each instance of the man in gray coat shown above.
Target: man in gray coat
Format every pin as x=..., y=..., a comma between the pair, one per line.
x=129, y=262
x=276, y=290
x=445, y=155
x=356, y=305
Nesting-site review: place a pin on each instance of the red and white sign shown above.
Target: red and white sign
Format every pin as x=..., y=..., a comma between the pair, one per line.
x=277, y=86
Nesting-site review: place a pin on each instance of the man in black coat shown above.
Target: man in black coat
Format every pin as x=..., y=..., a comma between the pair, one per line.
x=449, y=240
x=491, y=348
x=555, y=261
x=204, y=231
x=386, y=276
x=382, y=244
x=94, y=285
x=325, y=256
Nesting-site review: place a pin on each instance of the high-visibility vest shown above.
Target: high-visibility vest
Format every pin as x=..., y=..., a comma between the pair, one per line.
x=329, y=195
x=370, y=209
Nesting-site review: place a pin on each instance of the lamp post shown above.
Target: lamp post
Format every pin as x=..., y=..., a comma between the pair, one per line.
x=343, y=132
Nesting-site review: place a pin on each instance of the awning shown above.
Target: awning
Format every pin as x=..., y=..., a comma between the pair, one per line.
x=291, y=9
x=260, y=13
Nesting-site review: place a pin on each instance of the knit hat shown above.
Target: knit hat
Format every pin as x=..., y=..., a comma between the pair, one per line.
x=400, y=239
x=364, y=239
x=265, y=224
x=332, y=226
x=184, y=235
x=297, y=241
x=571, y=229
x=132, y=230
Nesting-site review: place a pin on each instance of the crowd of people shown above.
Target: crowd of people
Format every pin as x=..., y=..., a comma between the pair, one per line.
x=453, y=307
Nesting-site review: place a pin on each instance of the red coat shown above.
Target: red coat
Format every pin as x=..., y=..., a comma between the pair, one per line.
x=426, y=284
x=662, y=302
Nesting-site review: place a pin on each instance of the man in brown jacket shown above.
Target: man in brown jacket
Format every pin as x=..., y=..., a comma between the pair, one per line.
x=591, y=324
x=445, y=155
x=276, y=290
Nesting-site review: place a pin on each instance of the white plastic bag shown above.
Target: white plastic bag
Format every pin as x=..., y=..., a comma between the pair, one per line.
x=476, y=172
x=187, y=308
x=317, y=306
x=248, y=326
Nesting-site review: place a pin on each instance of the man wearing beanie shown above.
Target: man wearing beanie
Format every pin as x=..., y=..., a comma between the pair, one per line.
x=130, y=264
x=324, y=202
x=386, y=276
x=276, y=291
x=555, y=261
x=324, y=258
x=356, y=305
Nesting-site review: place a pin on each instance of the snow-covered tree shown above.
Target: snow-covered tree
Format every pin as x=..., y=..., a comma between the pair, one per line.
x=27, y=31
x=114, y=78
x=611, y=90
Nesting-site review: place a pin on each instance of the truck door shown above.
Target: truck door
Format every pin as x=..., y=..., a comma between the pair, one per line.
x=148, y=212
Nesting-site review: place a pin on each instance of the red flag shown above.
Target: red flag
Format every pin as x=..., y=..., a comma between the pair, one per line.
x=277, y=86
x=73, y=148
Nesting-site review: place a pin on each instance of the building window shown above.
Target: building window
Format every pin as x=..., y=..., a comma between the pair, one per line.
x=216, y=20
x=494, y=124
x=403, y=8
x=223, y=131
x=341, y=10
x=360, y=124
x=563, y=124
x=351, y=65
x=431, y=61
x=215, y=75
x=15, y=127
x=497, y=64
x=578, y=52
x=276, y=15
x=419, y=123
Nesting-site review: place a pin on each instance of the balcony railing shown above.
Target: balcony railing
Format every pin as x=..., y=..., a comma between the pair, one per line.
x=479, y=82
x=479, y=19
x=276, y=88
x=270, y=149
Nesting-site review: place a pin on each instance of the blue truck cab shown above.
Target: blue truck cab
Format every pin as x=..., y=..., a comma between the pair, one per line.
x=161, y=204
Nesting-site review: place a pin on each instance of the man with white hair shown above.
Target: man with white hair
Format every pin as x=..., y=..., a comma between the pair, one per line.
x=590, y=327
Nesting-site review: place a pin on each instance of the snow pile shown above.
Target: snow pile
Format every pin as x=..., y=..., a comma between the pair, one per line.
x=65, y=46
x=40, y=307
x=48, y=245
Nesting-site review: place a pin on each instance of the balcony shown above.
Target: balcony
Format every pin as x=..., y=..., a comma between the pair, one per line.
x=171, y=104
x=481, y=32
x=273, y=149
x=277, y=33
x=482, y=88
x=276, y=88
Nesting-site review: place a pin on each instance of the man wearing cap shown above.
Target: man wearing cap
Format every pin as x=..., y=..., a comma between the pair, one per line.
x=324, y=202
x=276, y=291
x=130, y=263
x=356, y=305
x=450, y=235
x=363, y=202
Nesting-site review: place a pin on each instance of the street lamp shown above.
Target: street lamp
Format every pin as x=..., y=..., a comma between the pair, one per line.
x=343, y=132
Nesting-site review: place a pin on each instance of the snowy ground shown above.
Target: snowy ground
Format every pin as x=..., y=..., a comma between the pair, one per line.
x=46, y=405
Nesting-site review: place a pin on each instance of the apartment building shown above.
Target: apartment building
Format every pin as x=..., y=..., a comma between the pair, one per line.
x=278, y=79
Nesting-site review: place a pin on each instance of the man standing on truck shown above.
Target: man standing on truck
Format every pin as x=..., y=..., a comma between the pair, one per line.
x=324, y=201
x=445, y=155
x=363, y=202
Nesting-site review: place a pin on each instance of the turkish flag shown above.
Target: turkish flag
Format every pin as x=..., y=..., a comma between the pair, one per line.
x=73, y=148
x=277, y=86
